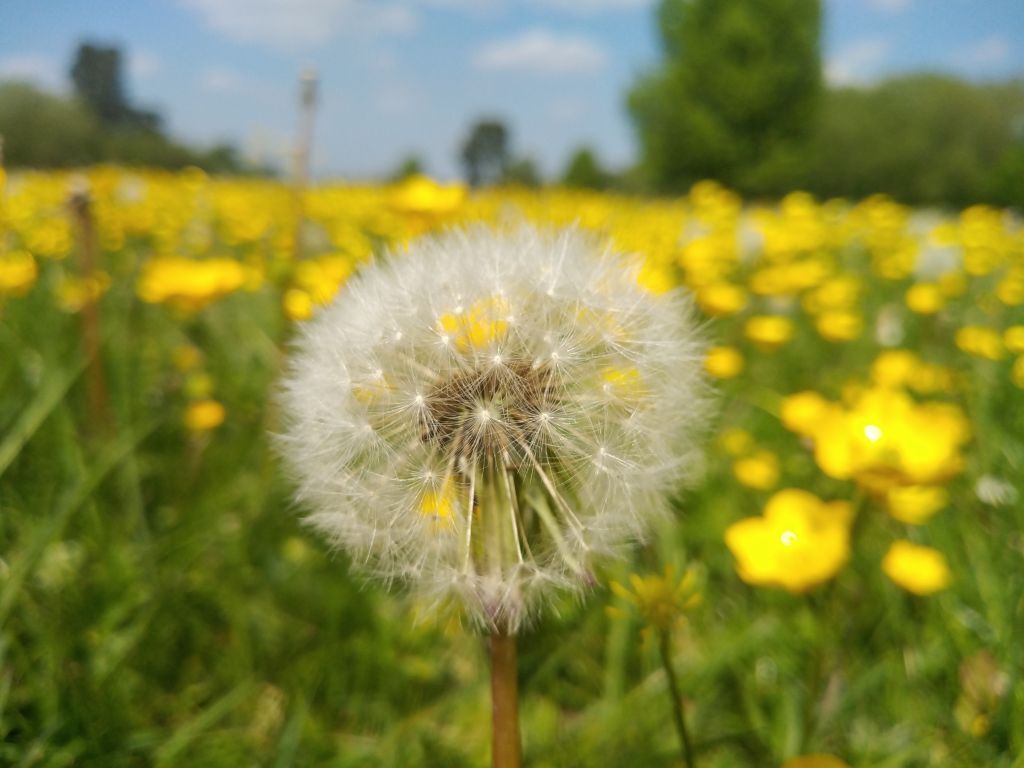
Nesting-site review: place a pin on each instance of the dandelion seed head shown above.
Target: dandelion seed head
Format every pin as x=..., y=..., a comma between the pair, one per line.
x=486, y=414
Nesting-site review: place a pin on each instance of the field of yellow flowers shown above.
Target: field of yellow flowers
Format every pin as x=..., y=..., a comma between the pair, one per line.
x=845, y=579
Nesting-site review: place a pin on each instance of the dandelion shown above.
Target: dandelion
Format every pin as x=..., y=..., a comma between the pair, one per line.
x=486, y=415
x=661, y=601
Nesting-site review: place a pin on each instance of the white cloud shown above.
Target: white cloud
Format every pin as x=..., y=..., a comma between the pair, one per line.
x=34, y=67
x=890, y=6
x=395, y=100
x=142, y=64
x=857, y=63
x=540, y=51
x=593, y=6
x=982, y=54
x=296, y=24
x=218, y=80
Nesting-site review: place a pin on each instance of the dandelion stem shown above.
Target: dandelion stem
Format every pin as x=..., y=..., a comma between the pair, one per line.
x=677, y=701
x=506, y=751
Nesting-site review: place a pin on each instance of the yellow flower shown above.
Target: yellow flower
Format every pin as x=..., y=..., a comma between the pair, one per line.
x=723, y=362
x=654, y=278
x=661, y=600
x=769, y=332
x=190, y=284
x=1017, y=372
x=480, y=326
x=815, y=761
x=720, y=299
x=18, y=272
x=952, y=284
x=760, y=471
x=915, y=504
x=204, y=415
x=884, y=439
x=981, y=342
x=320, y=279
x=798, y=543
x=894, y=367
x=1013, y=338
x=925, y=298
x=424, y=196
x=438, y=504
x=298, y=305
x=839, y=325
x=736, y=441
x=73, y=293
x=921, y=570
x=186, y=357
x=802, y=411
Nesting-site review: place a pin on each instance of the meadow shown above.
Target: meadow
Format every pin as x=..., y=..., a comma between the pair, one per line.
x=844, y=577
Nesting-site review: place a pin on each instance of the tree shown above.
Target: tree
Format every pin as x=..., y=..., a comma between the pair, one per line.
x=522, y=171
x=485, y=153
x=929, y=139
x=43, y=130
x=736, y=96
x=97, y=77
x=584, y=170
x=411, y=165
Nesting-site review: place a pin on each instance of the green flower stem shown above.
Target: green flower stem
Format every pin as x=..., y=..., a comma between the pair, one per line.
x=506, y=751
x=677, y=701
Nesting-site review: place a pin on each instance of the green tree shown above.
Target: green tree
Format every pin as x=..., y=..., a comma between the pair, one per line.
x=43, y=130
x=522, y=171
x=485, y=153
x=97, y=78
x=735, y=98
x=411, y=165
x=584, y=170
x=929, y=139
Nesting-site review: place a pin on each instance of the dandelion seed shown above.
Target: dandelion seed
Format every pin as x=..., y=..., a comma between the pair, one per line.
x=530, y=449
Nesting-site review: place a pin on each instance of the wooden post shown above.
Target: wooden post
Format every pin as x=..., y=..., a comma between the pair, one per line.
x=80, y=203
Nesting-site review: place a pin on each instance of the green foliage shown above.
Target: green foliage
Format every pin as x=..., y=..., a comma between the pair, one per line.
x=409, y=166
x=922, y=139
x=485, y=153
x=522, y=171
x=584, y=171
x=736, y=96
x=97, y=79
x=42, y=130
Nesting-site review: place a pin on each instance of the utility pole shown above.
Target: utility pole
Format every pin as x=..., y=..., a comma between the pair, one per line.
x=302, y=152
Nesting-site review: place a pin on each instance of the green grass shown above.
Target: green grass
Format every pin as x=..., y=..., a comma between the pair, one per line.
x=162, y=605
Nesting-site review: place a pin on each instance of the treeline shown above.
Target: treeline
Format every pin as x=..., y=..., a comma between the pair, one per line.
x=926, y=139
x=96, y=123
x=739, y=97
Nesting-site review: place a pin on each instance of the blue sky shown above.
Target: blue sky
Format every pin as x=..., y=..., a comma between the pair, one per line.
x=409, y=76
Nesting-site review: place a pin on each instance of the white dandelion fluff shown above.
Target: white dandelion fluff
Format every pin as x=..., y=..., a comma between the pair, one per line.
x=483, y=416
